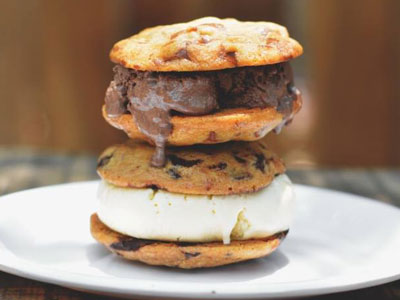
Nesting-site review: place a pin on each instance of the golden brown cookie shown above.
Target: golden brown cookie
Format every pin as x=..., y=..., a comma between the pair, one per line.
x=236, y=124
x=220, y=169
x=206, y=44
x=182, y=255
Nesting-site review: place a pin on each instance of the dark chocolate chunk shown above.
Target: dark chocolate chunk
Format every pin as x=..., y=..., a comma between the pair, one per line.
x=190, y=255
x=243, y=176
x=131, y=244
x=178, y=161
x=180, y=54
x=220, y=166
x=104, y=160
x=239, y=159
x=260, y=162
x=186, y=244
x=174, y=173
x=153, y=187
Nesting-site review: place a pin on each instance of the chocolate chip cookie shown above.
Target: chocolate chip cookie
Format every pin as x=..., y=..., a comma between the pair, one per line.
x=232, y=124
x=220, y=169
x=181, y=254
x=206, y=44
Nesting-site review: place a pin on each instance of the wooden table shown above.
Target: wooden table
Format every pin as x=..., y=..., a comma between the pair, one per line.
x=22, y=169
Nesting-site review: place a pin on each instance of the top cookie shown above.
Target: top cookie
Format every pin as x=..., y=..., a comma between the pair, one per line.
x=206, y=44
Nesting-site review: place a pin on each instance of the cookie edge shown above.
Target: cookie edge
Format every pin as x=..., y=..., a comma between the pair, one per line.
x=184, y=255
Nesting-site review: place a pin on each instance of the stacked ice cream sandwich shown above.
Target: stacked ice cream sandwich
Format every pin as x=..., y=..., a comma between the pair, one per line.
x=194, y=187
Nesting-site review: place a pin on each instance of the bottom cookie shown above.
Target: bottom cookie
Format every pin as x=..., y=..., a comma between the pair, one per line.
x=181, y=254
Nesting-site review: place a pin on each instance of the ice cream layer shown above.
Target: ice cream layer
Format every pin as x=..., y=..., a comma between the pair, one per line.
x=161, y=215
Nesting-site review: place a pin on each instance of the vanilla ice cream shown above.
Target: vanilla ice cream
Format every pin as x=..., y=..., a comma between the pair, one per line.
x=161, y=215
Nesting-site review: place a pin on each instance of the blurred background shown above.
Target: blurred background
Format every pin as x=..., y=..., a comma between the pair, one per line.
x=55, y=69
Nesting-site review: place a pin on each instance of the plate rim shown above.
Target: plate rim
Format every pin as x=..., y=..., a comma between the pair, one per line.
x=20, y=267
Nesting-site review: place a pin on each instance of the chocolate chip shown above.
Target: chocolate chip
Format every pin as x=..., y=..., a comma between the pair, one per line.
x=104, y=160
x=178, y=161
x=243, y=176
x=182, y=53
x=153, y=187
x=260, y=162
x=239, y=159
x=231, y=57
x=220, y=166
x=174, y=174
x=212, y=136
x=131, y=244
x=190, y=255
x=185, y=244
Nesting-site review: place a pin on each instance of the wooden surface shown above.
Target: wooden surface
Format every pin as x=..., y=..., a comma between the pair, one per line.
x=54, y=70
x=21, y=169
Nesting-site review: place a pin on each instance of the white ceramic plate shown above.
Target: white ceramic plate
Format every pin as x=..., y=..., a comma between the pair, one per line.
x=338, y=242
